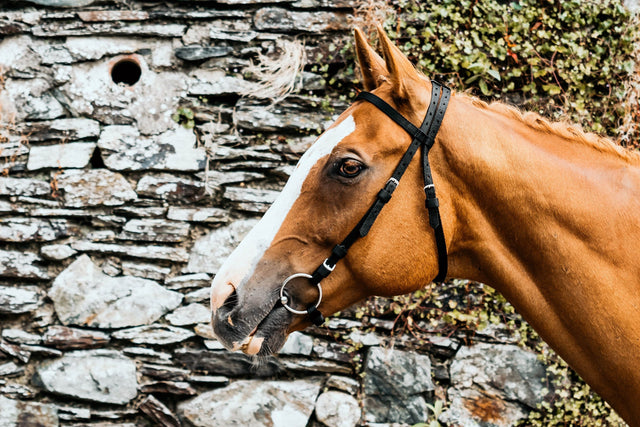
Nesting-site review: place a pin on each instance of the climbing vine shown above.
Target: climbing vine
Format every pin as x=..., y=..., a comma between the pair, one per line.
x=567, y=59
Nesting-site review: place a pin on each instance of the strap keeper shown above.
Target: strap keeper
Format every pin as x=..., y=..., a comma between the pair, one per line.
x=314, y=315
x=431, y=203
x=385, y=194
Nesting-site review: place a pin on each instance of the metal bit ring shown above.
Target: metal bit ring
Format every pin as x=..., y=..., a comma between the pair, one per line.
x=284, y=300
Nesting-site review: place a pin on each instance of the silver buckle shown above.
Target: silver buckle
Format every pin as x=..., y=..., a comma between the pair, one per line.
x=284, y=300
x=325, y=265
x=429, y=186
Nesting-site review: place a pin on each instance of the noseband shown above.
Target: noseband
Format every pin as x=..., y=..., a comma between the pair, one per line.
x=424, y=136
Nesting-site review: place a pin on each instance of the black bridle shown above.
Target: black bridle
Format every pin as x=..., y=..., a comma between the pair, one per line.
x=421, y=137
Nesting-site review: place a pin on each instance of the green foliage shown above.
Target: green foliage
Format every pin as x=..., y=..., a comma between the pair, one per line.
x=563, y=58
x=184, y=116
x=573, y=402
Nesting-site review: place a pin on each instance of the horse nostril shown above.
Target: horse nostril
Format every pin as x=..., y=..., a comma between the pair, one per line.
x=231, y=301
x=223, y=295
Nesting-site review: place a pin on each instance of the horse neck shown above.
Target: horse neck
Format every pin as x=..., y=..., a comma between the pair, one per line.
x=552, y=224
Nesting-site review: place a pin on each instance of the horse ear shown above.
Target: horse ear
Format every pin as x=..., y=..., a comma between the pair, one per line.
x=401, y=70
x=374, y=71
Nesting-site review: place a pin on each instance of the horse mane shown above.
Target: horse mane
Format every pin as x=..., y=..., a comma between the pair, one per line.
x=563, y=129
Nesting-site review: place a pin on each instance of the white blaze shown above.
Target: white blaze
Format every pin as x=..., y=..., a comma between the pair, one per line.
x=242, y=262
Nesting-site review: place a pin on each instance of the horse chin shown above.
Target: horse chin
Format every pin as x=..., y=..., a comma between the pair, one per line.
x=266, y=337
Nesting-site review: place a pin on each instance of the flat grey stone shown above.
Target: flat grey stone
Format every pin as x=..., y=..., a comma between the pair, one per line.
x=70, y=155
x=35, y=230
x=18, y=336
x=11, y=150
x=155, y=334
x=346, y=384
x=222, y=152
x=20, y=391
x=71, y=129
x=213, y=181
x=298, y=343
x=10, y=369
x=228, y=363
x=104, y=376
x=32, y=99
x=124, y=149
x=188, y=281
x=315, y=4
x=23, y=265
x=158, y=412
x=199, y=53
x=255, y=403
x=113, y=15
x=305, y=365
x=205, y=330
x=393, y=385
x=63, y=3
x=232, y=34
x=66, y=338
x=144, y=270
x=279, y=19
x=84, y=48
x=170, y=187
x=503, y=369
x=154, y=230
x=250, y=199
x=207, y=215
x=147, y=252
x=16, y=300
x=23, y=187
x=142, y=212
x=148, y=355
x=164, y=372
x=473, y=408
x=18, y=59
x=16, y=412
x=209, y=252
x=199, y=295
x=57, y=252
x=226, y=85
x=83, y=295
x=191, y=314
x=242, y=2
x=64, y=29
x=337, y=409
x=258, y=117
x=94, y=187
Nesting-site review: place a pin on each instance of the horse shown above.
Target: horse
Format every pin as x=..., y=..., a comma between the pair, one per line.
x=542, y=211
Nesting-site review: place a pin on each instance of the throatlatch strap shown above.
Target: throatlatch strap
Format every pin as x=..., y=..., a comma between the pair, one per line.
x=423, y=136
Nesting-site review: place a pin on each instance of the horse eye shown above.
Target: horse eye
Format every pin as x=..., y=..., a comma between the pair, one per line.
x=350, y=168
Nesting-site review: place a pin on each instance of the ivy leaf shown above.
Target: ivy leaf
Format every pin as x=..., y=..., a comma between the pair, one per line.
x=494, y=73
x=484, y=88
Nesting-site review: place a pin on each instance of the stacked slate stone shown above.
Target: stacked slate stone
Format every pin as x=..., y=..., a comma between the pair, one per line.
x=114, y=218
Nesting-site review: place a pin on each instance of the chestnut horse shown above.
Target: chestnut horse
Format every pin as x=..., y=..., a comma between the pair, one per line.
x=546, y=214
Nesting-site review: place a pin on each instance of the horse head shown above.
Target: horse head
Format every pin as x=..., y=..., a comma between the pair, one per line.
x=332, y=188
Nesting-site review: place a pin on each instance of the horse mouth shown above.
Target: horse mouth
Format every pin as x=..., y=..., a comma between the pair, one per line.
x=256, y=334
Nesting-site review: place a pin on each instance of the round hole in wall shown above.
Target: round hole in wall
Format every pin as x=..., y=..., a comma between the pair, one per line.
x=126, y=71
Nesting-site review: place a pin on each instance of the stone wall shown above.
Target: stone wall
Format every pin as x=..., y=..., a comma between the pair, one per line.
x=114, y=218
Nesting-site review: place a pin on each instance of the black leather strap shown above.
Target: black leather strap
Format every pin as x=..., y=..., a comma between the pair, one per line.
x=420, y=137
